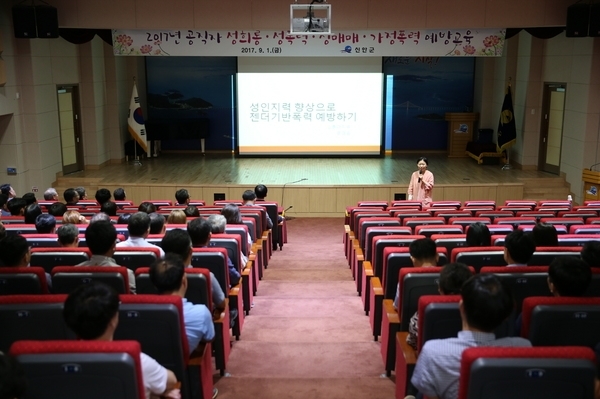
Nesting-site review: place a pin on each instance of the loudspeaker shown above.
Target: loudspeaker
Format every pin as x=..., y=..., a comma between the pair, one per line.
x=578, y=20
x=24, y=22
x=47, y=22
x=595, y=20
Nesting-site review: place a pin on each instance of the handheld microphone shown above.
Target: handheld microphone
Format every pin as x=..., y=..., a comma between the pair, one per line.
x=594, y=165
x=288, y=208
x=283, y=188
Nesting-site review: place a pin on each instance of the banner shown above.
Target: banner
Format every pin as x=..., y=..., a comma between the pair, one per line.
x=263, y=43
x=507, y=130
x=135, y=120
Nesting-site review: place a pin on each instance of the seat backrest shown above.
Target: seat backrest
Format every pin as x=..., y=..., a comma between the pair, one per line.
x=407, y=204
x=467, y=221
x=560, y=321
x=250, y=227
x=564, y=221
x=500, y=228
x=379, y=244
x=479, y=256
x=215, y=260
x=158, y=203
x=364, y=224
x=66, y=278
x=419, y=221
x=584, y=229
x=451, y=214
x=66, y=369
x=549, y=373
x=198, y=291
x=429, y=230
x=479, y=203
x=42, y=240
x=544, y=255
x=381, y=204
x=449, y=241
x=50, y=257
x=357, y=215
x=515, y=221
x=232, y=243
x=375, y=231
x=576, y=240
x=445, y=204
x=408, y=213
x=273, y=212
x=19, y=228
x=35, y=317
x=23, y=280
x=242, y=232
x=414, y=283
x=134, y=257
x=255, y=214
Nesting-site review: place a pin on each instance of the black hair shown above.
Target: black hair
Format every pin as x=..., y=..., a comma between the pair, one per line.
x=249, y=195
x=32, y=212
x=167, y=274
x=13, y=383
x=119, y=194
x=544, y=235
x=191, y=211
x=57, y=209
x=261, y=191
x=452, y=277
x=478, y=235
x=590, y=253
x=5, y=189
x=199, y=231
x=45, y=223
x=81, y=191
x=182, y=196
x=100, y=237
x=29, y=198
x=177, y=241
x=157, y=222
x=520, y=246
x=89, y=308
x=13, y=248
x=15, y=206
x=424, y=159
x=71, y=196
x=109, y=207
x=67, y=233
x=147, y=207
x=3, y=200
x=139, y=224
x=124, y=218
x=487, y=302
x=423, y=249
x=103, y=195
x=571, y=276
x=232, y=214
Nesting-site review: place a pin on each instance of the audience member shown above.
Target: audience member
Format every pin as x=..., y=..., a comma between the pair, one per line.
x=218, y=223
x=57, y=209
x=82, y=194
x=7, y=190
x=31, y=213
x=169, y=277
x=16, y=206
x=109, y=207
x=100, y=216
x=182, y=196
x=119, y=194
x=45, y=224
x=544, y=235
x=157, y=223
x=15, y=252
x=71, y=196
x=91, y=311
x=249, y=198
x=147, y=207
x=103, y=195
x=74, y=217
x=191, y=211
x=13, y=383
x=478, y=235
x=485, y=304
x=124, y=218
x=139, y=228
x=569, y=276
x=29, y=198
x=233, y=216
x=452, y=277
x=261, y=192
x=4, y=205
x=51, y=194
x=101, y=239
x=423, y=253
x=590, y=253
x=177, y=216
x=518, y=248
x=68, y=235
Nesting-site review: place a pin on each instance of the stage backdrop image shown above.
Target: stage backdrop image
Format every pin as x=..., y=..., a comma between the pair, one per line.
x=419, y=91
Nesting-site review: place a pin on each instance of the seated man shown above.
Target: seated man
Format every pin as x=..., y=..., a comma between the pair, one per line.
x=7, y=190
x=218, y=223
x=45, y=223
x=249, y=198
x=15, y=252
x=29, y=198
x=139, y=228
x=31, y=212
x=92, y=312
x=101, y=239
x=147, y=207
x=71, y=196
x=109, y=207
x=544, y=235
x=68, y=236
x=16, y=206
x=157, y=223
x=182, y=196
x=200, y=233
x=518, y=248
x=102, y=195
x=100, y=216
x=82, y=194
x=51, y=194
x=423, y=253
x=57, y=209
x=590, y=253
x=261, y=192
x=191, y=211
x=169, y=278
x=485, y=304
x=119, y=194
x=569, y=276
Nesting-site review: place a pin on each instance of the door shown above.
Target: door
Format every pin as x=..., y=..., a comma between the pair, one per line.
x=553, y=110
x=70, y=128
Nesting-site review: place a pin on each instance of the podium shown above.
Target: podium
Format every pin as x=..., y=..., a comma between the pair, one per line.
x=591, y=183
x=460, y=132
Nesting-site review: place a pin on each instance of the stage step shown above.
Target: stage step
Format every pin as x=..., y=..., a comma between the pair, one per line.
x=545, y=188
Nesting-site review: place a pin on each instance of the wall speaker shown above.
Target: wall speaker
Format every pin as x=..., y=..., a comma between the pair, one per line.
x=46, y=21
x=578, y=20
x=595, y=20
x=24, y=22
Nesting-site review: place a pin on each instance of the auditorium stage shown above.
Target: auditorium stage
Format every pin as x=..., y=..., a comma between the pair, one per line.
x=331, y=183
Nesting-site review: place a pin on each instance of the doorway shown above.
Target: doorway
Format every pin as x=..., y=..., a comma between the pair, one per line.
x=70, y=129
x=553, y=111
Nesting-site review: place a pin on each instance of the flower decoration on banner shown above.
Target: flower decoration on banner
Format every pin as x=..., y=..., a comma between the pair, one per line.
x=124, y=46
x=493, y=45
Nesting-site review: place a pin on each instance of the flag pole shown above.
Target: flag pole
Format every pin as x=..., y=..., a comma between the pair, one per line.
x=507, y=165
x=136, y=161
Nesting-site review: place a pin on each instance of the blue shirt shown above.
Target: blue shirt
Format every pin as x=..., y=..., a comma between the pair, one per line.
x=198, y=324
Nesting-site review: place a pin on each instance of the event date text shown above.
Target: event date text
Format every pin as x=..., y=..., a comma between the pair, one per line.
x=261, y=50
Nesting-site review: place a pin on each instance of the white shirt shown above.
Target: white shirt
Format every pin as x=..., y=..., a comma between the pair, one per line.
x=154, y=376
x=139, y=242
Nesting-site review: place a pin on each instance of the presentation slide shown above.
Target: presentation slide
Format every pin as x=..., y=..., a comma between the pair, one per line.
x=309, y=113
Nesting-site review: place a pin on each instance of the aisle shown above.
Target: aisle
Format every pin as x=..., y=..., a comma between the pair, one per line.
x=307, y=336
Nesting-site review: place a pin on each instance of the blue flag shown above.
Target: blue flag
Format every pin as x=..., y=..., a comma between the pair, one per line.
x=507, y=130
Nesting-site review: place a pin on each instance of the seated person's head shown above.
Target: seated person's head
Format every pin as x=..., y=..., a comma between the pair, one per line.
x=13, y=383
x=168, y=274
x=32, y=212
x=217, y=224
x=14, y=251
x=3, y=202
x=124, y=218
x=68, y=235
x=544, y=235
x=57, y=209
x=103, y=195
x=100, y=216
x=478, y=235
x=590, y=253
x=119, y=194
x=71, y=196
x=139, y=224
x=569, y=276
x=91, y=311
x=423, y=252
x=82, y=194
x=249, y=196
x=177, y=241
x=16, y=206
x=232, y=214
x=191, y=211
x=261, y=191
x=177, y=216
x=29, y=198
x=7, y=190
x=157, y=223
x=45, y=223
x=486, y=302
x=518, y=247
x=73, y=217
x=182, y=196
x=101, y=238
x=109, y=207
x=452, y=277
x=199, y=231
x=147, y=207
x=51, y=194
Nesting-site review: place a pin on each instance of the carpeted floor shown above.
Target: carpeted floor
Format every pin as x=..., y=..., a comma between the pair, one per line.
x=307, y=336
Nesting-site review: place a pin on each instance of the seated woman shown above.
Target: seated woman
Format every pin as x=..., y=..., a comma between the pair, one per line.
x=545, y=235
x=177, y=216
x=478, y=235
x=74, y=217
